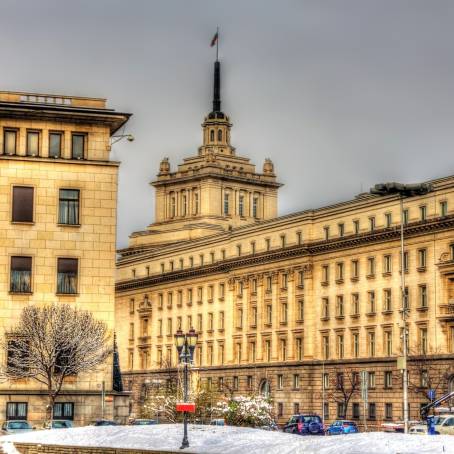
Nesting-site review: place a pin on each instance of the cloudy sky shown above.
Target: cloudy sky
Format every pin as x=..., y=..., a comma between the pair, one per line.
x=339, y=94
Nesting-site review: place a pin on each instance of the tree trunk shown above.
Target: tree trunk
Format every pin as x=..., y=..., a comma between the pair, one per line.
x=50, y=409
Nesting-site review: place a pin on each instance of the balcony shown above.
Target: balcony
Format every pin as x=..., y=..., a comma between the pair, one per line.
x=447, y=311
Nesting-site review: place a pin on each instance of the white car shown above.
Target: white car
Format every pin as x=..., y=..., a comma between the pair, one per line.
x=419, y=429
x=444, y=424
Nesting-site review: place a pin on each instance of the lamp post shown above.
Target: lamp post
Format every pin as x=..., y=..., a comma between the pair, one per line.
x=185, y=344
x=403, y=190
x=117, y=138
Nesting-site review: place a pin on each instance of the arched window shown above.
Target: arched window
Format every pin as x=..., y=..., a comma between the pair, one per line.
x=219, y=135
x=265, y=389
x=172, y=206
x=212, y=135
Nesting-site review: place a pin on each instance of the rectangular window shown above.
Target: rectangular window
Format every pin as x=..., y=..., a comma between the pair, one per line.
x=341, y=229
x=325, y=274
x=241, y=205
x=356, y=226
x=300, y=314
x=387, y=300
x=423, y=296
x=423, y=212
x=296, y=381
x=55, y=142
x=280, y=381
x=443, y=208
x=78, y=146
x=284, y=313
x=388, y=219
x=269, y=314
x=355, y=269
x=255, y=203
x=325, y=381
x=64, y=410
x=387, y=263
x=388, y=411
x=326, y=232
x=267, y=350
x=388, y=341
x=423, y=341
x=371, y=296
x=16, y=411
x=226, y=204
x=356, y=410
x=282, y=240
x=221, y=290
x=371, y=343
x=339, y=306
x=299, y=348
x=325, y=307
x=325, y=347
x=283, y=350
x=371, y=266
x=340, y=410
x=252, y=247
x=22, y=204
x=372, y=223
x=340, y=346
x=67, y=272
x=388, y=379
x=280, y=409
x=21, y=274
x=299, y=238
x=371, y=378
x=355, y=303
x=422, y=258
x=235, y=382
x=68, y=212
x=131, y=306
x=32, y=143
x=267, y=244
x=340, y=271
x=372, y=411
x=296, y=408
x=406, y=216
x=355, y=345
x=199, y=323
x=9, y=142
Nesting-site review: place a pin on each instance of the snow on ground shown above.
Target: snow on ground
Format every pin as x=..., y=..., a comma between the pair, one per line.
x=233, y=440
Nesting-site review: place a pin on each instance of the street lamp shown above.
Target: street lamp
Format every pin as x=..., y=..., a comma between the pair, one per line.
x=403, y=190
x=185, y=344
x=117, y=138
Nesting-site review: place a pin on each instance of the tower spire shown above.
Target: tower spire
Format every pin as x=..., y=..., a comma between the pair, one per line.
x=217, y=87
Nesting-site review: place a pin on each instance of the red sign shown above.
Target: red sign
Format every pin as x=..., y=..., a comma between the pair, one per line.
x=186, y=406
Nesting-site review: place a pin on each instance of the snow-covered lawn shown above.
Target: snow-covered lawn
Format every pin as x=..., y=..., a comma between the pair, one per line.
x=228, y=440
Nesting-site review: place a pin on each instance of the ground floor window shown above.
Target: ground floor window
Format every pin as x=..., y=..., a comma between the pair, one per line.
x=388, y=411
x=372, y=412
x=16, y=410
x=355, y=410
x=64, y=410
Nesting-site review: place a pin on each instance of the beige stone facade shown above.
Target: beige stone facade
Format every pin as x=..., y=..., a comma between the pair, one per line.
x=280, y=301
x=55, y=171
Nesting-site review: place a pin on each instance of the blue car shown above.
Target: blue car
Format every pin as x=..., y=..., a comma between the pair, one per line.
x=342, y=427
x=304, y=425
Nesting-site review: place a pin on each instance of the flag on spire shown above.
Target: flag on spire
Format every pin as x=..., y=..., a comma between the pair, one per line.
x=215, y=39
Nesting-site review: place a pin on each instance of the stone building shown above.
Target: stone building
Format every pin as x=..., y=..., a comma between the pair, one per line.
x=293, y=306
x=58, y=196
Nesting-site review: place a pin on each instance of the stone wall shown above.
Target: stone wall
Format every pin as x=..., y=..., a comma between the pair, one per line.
x=28, y=448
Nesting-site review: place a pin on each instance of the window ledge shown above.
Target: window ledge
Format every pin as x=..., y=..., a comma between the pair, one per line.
x=300, y=286
x=19, y=293
x=324, y=283
x=371, y=314
x=324, y=319
x=339, y=317
x=387, y=312
x=422, y=308
x=189, y=303
x=68, y=294
x=69, y=225
x=386, y=274
x=355, y=315
x=370, y=276
x=199, y=302
x=221, y=298
x=23, y=222
x=339, y=281
x=299, y=320
x=354, y=279
x=421, y=269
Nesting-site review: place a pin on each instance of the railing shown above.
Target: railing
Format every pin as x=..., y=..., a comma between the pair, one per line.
x=41, y=99
x=447, y=310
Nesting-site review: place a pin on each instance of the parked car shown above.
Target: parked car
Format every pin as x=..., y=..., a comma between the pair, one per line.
x=59, y=424
x=104, y=422
x=305, y=425
x=143, y=422
x=14, y=427
x=217, y=422
x=342, y=427
x=444, y=424
x=419, y=429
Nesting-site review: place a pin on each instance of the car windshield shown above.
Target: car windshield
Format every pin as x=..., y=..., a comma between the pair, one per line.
x=309, y=419
x=293, y=420
x=18, y=425
x=439, y=420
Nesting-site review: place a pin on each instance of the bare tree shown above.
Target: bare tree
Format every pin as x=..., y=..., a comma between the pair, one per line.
x=52, y=343
x=425, y=373
x=344, y=384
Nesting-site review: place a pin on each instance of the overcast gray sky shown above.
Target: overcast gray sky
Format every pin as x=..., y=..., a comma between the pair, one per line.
x=339, y=94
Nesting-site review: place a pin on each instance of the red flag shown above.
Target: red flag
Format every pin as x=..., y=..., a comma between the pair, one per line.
x=214, y=40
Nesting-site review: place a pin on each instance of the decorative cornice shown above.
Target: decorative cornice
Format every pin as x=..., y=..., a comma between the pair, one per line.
x=306, y=250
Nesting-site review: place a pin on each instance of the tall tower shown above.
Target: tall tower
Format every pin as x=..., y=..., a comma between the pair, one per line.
x=212, y=191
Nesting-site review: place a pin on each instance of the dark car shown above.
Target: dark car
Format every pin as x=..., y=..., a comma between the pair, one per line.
x=342, y=427
x=143, y=422
x=104, y=422
x=304, y=425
